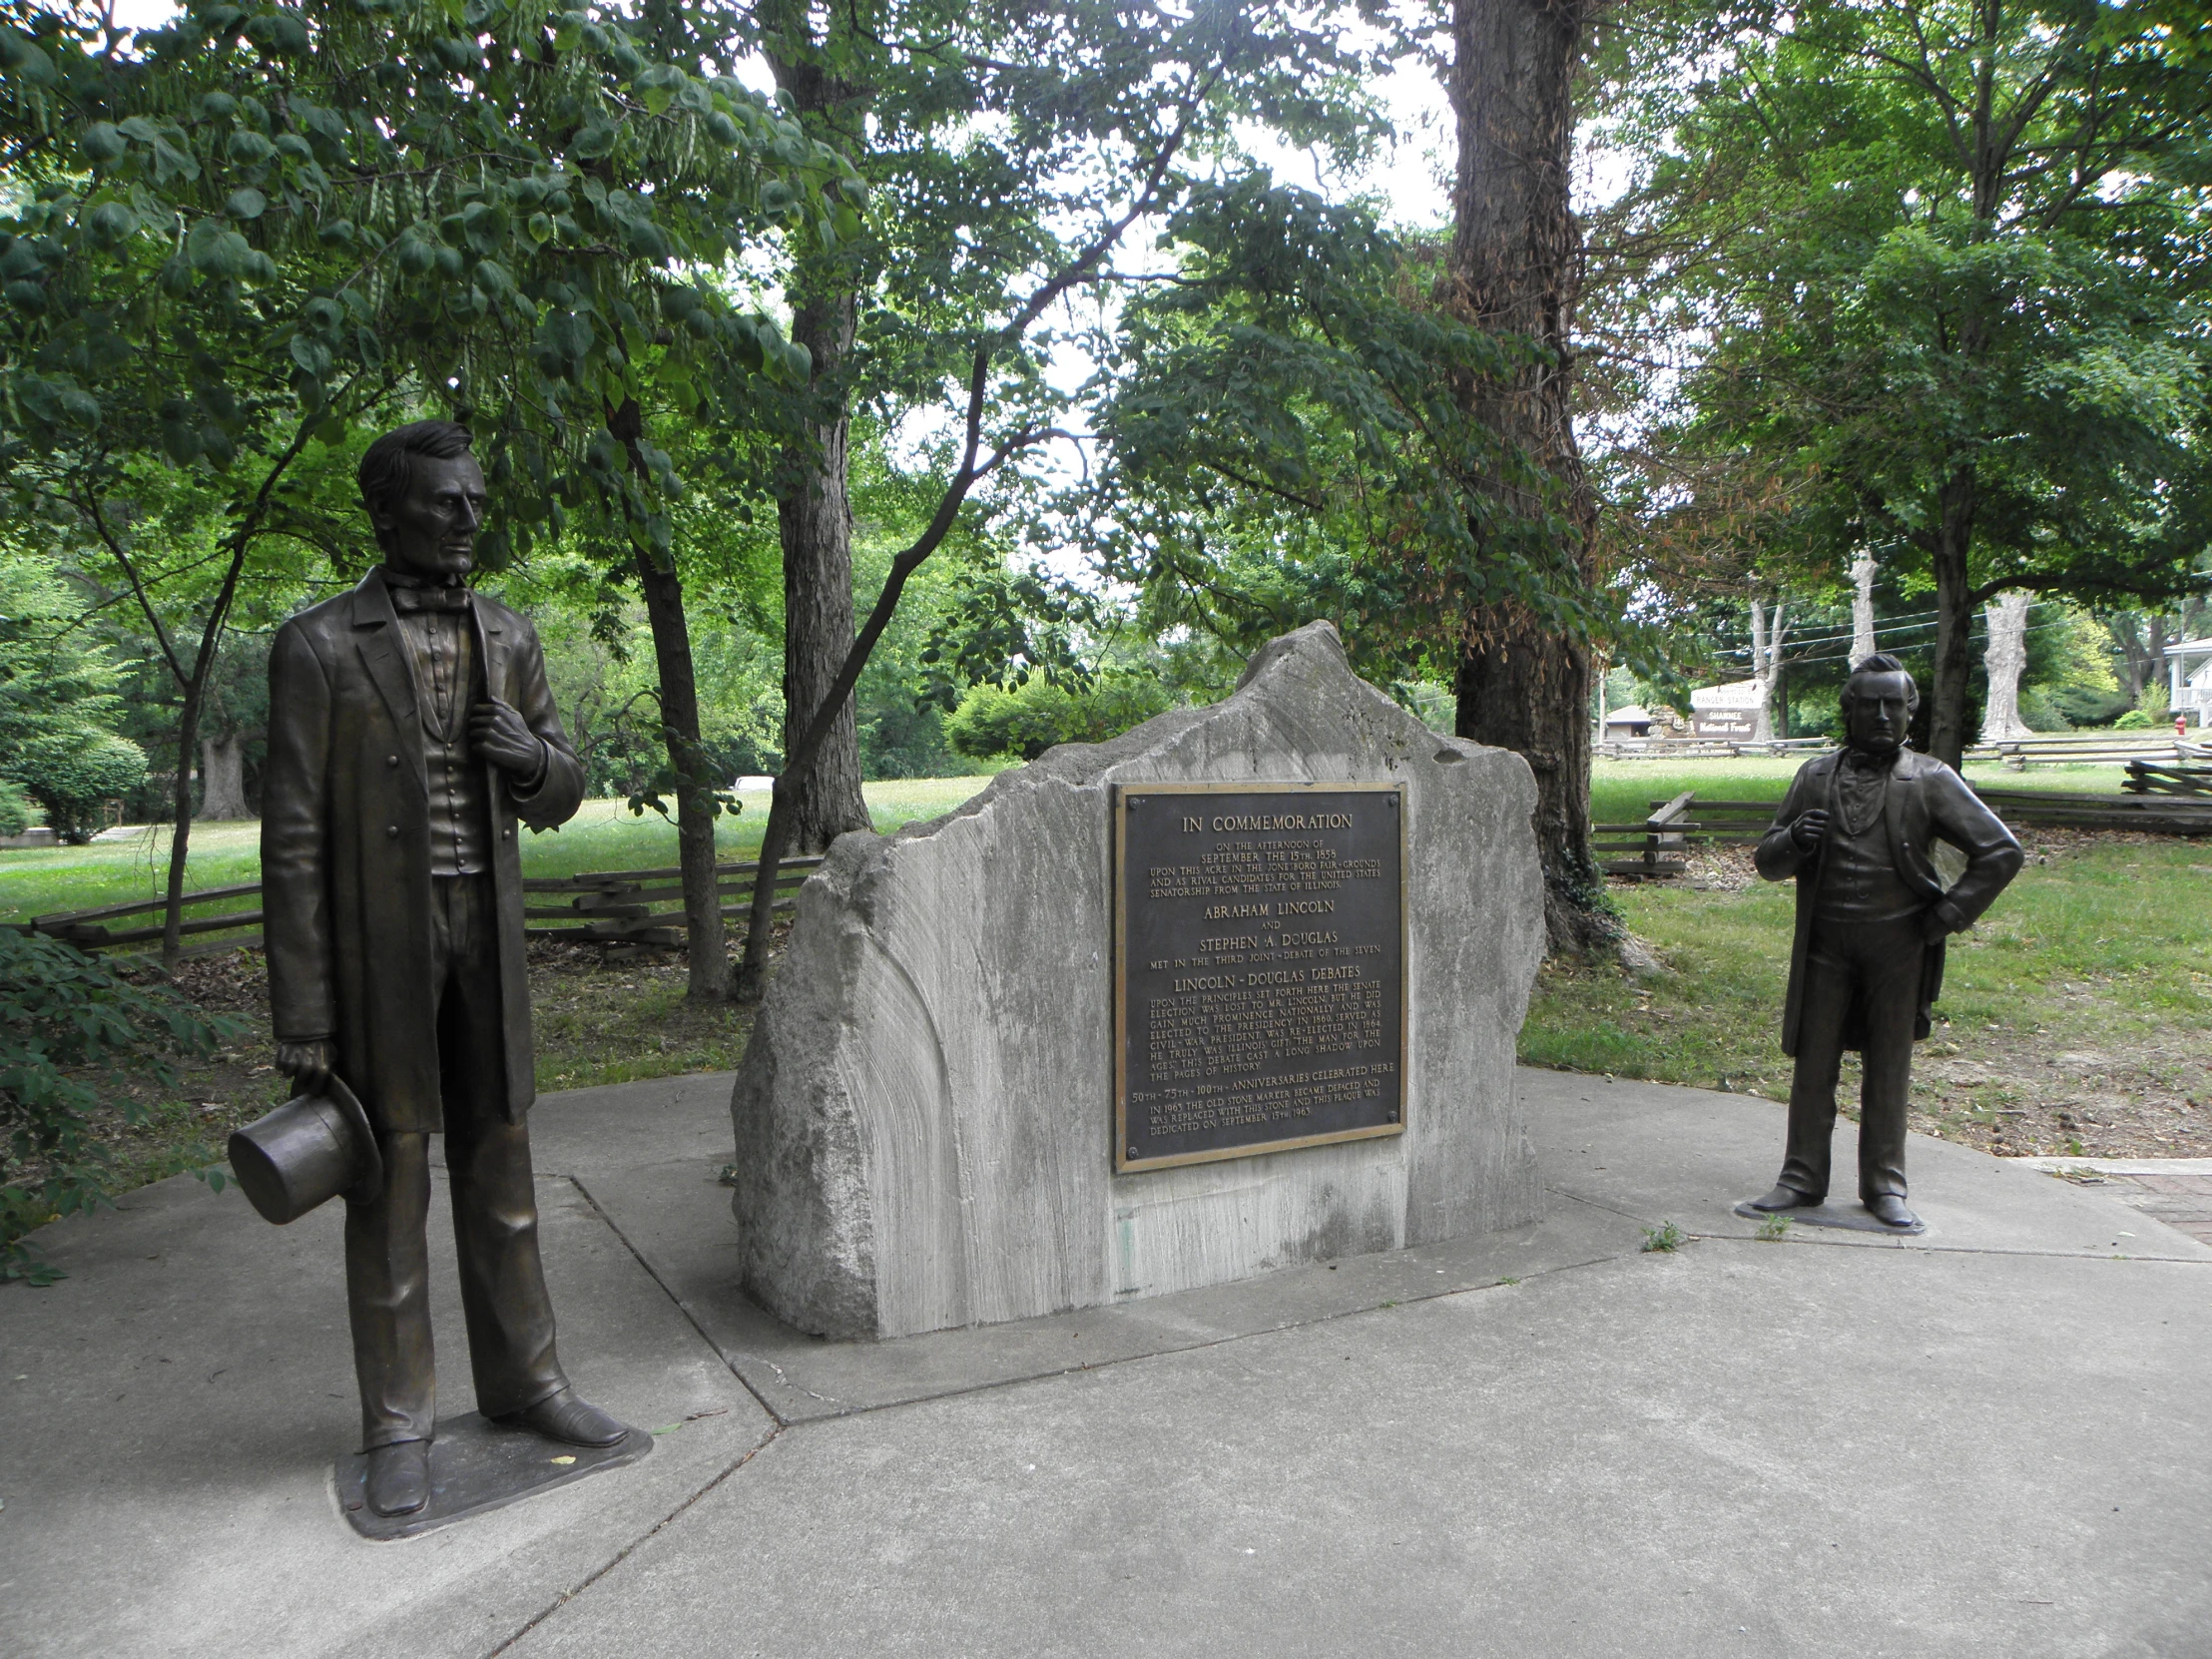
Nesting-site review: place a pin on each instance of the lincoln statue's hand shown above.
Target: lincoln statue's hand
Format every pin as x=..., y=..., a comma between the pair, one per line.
x=498, y=733
x=310, y=1062
x=1809, y=830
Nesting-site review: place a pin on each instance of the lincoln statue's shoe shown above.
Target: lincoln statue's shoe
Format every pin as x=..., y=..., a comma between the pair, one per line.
x=1891, y=1210
x=571, y=1420
x=399, y=1477
x=1784, y=1198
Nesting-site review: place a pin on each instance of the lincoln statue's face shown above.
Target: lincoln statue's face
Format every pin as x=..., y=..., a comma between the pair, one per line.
x=431, y=529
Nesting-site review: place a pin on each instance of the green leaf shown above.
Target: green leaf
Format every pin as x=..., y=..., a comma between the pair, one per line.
x=28, y=298
x=80, y=406
x=249, y=147
x=418, y=251
x=218, y=105
x=338, y=233
x=246, y=203
x=540, y=227
x=25, y=60
x=110, y=223
x=594, y=143
x=484, y=227
x=102, y=143
x=216, y=251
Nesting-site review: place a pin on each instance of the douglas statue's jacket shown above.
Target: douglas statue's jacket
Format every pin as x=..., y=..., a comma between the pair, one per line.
x=1925, y=803
x=346, y=846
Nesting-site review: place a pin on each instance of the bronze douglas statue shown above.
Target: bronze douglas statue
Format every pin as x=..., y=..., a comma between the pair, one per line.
x=1858, y=830
x=410, y=729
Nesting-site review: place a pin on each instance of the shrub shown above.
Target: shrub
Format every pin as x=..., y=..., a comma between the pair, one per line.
x=68, y=1026
x=2134, y=721
x=1037, y=713
x=2085, y=705
x=70, y=773
x=15, y=812
x=2040, y=712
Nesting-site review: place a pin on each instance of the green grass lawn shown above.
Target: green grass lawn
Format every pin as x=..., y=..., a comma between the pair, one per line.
x=603, y=836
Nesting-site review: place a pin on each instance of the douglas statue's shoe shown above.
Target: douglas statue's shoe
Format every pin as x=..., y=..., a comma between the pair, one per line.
x=1784, y=1198
x=571, y=1420
x=1891, y=1210
x=399, y=1477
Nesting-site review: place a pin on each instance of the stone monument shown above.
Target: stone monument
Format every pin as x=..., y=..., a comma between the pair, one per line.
x=1236, y=991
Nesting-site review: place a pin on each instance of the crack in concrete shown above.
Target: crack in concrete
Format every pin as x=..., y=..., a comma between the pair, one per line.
x=627, y=1551
x=691, y=1318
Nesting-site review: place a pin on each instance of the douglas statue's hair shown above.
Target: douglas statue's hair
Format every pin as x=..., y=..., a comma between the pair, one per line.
x=388, y=467
x=1883, y=663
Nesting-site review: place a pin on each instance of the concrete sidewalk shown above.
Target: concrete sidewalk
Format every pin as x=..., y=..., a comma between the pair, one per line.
x=1994, y=1440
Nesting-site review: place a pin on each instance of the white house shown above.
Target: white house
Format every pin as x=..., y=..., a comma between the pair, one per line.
x=2189, y=675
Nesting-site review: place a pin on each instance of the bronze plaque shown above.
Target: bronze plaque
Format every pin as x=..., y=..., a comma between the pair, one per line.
x=1259, y=968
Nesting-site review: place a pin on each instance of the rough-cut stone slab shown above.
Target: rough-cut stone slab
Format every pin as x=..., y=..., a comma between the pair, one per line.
x=925, y=1115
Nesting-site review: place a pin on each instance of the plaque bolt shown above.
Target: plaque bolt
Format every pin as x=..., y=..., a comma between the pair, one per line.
x=1132, y=1152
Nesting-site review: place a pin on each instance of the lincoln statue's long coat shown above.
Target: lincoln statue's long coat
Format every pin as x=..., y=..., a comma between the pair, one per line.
x=1925, y=803
x=346, y=846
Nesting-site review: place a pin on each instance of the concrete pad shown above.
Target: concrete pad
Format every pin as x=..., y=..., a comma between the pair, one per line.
x=647, y=1154
x=1739, y=1449
x=166, y=1463
x=1688, y=1155
x=1986, y=1441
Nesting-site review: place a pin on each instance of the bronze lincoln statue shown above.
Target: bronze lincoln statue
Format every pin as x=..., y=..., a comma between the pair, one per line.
x=1858, y=830
x=410, y=729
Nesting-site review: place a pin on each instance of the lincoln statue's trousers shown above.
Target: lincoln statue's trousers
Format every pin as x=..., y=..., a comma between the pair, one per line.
x=495, y=1216
x=1875, y=964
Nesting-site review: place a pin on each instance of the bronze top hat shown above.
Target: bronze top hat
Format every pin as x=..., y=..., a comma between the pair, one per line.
x=307, y=1152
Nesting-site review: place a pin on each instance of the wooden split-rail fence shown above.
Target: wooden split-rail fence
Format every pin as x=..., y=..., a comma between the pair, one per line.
x=2162, y=799
x=1662, y=844
x=2106, y=749
x=622, y=906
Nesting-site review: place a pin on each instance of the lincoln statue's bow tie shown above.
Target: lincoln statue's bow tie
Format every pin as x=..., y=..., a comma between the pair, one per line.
x=429, y=598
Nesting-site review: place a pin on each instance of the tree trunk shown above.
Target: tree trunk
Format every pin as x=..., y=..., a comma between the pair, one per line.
x=2003, y=660
x=815, y=508
x=1954, y=606
x=709, y=979
x=223, y=779
x=188, y=740
x=1513, y=267
x=1862, y=571
x=816, y=517
x=1766, y=668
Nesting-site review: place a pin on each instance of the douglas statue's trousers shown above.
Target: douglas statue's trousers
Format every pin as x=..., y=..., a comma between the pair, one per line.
x=495, y=1215
x=1877, y=965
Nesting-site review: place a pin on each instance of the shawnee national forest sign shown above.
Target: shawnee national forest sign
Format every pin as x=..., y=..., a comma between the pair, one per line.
x=1259, y=968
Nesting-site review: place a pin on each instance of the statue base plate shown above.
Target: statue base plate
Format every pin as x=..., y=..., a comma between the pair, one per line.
x=477, y=1465
x=1853, y=1220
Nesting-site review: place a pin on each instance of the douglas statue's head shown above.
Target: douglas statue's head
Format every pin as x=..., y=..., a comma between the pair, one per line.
x=1879, y=700
x=425, y=495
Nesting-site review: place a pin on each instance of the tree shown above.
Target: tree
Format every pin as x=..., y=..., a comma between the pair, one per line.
x=994, y=129
x=1513, y=267
x=2005, y=659
x=59, y=697
x=1947, y=259
x=247, y=231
